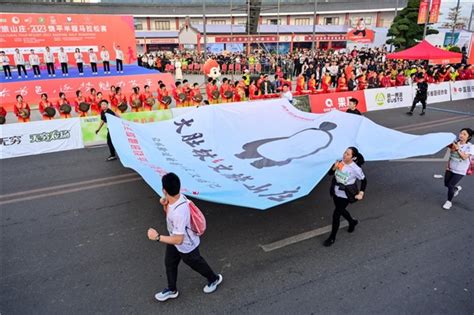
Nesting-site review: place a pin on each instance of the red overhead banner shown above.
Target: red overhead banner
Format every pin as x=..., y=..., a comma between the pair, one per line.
x=434, y=11
x=423, y=11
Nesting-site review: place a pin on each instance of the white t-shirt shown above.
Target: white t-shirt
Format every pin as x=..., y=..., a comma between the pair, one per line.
x=178, y=222
x=92, y=57
x=104, y=55
x=288, y=95
x=49, y=57
x=118, y=54
x=62, y=56
x=34, y=60
x=456, y=164
x=19, y=59
x=347, y=176
x=78, y=57
x=5, y=60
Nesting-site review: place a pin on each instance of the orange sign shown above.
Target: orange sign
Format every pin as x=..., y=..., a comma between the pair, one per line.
x=434, y=12
x=70, y=31
x=423, y=11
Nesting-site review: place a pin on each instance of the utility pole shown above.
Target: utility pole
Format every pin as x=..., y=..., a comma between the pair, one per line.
x=278, y=31
x=427, y=18
x=455, y=22
x=396, y=13
x=204, y=28
x=313, y=45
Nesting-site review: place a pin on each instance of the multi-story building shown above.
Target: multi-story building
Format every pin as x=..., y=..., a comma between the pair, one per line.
x=165, y=24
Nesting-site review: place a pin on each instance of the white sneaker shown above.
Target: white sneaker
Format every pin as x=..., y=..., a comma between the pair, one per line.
x=19, y=77
x=456, y=192
x=54, y=75
x=25, y=76
x=213, y=286
x=447, y=205
x=166, y=294
x=49, y=75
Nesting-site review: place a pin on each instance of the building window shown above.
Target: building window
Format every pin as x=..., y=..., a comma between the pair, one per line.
x=272, y=21
x=331, y=20
x=139, y=26
x=302, y=21
x=219, y=22
x=162, y=25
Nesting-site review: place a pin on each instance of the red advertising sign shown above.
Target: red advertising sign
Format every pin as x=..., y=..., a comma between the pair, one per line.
x=471, y=53
x=423, y=11
x=361, y=36
x=323, y=103
x=70, y=31
x=338, y=37
x=245, y=39
x=32, y=90
x=434, y=11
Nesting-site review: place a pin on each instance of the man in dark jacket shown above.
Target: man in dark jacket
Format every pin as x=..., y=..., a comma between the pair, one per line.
x=421, y=95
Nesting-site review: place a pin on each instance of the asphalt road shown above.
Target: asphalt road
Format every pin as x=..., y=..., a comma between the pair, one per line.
x=80, y=246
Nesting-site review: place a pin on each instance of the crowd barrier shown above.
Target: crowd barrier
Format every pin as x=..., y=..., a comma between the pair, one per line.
x=66, y=134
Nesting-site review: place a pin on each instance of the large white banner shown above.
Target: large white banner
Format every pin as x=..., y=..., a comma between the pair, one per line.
x=387, y=98
x=461, y=90
x=437, y=92
x=40, y=137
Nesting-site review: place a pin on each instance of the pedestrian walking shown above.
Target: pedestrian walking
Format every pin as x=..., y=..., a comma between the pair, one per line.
x=182, y=242
x=104, y=109
x=345, y=190
x=421, y=95
x=459, y=164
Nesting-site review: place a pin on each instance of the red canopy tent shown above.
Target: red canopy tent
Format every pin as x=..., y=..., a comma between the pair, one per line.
x=426, y=51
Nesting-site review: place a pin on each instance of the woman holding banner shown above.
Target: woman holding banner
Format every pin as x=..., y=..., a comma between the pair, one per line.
x=344, y=189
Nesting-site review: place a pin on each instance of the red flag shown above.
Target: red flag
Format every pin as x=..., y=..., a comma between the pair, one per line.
x=434, y=12
x=424, y=4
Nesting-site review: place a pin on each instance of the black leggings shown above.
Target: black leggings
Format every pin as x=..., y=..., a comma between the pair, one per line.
x=64, y=68
x=21, y=67
x=7, y=71
x=450, y=180
x=94, y=67
x=119, y=64
x=80, y=67
x=106, y=66
x=50, y=67
x=192, y=259
x=341, y=204
x=110, y=144
x=36, y=70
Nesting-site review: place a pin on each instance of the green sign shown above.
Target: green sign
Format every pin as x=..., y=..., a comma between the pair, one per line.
x=90, y=124
x=380, y=99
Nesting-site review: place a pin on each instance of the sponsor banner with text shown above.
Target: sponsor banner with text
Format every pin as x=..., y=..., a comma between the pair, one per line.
x=90, y=124
x=39, y=137
x=387, y=98
x=323, y=103
x=461, y=90
x=437, y=92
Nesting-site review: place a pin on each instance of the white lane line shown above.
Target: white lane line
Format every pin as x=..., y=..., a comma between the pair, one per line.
x=86, y=182
x=443, y=159
x=67, y=191
x=300, y=237
x=435, y=125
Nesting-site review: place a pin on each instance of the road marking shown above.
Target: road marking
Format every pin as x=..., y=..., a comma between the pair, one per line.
x=428, y=122
x=67, y=191
x=86, y=182
x=432, y=124
x=443, y=159
x=451, y=111
x=300, y=237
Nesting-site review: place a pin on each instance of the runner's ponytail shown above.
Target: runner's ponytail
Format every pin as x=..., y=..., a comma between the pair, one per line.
x=357, y=157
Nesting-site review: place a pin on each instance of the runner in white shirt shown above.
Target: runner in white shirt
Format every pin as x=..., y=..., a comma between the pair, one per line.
x=119, y=59
x=35, y=62
x=6, y=65
x=287, y=93
x=20, y=63
x=459, y=163
x=93, y=61
x=63, y=59
x=79, y=61
x=344, y=189
x=105, y=56
x=182, y=242
x=49, y=61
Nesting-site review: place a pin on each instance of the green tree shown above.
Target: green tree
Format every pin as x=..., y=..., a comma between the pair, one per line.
x=405, y=31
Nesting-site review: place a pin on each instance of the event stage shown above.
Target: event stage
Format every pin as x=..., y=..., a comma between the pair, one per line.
x=32, y=88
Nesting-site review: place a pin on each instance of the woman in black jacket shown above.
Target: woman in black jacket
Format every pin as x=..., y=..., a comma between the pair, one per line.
x=344, y=189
